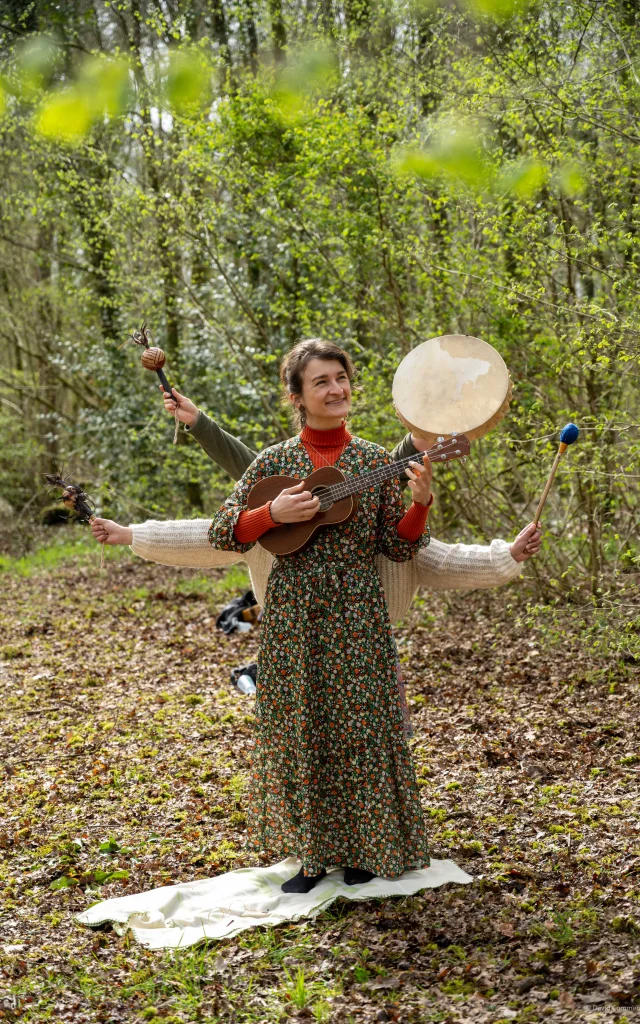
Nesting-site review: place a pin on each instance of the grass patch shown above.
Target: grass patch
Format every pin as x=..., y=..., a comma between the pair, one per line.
x=235, y=580
x=75, y=545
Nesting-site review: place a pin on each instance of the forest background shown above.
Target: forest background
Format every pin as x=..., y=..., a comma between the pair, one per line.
x=242, y=174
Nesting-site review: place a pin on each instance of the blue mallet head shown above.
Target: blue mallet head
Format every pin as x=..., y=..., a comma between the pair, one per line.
x=569, y=434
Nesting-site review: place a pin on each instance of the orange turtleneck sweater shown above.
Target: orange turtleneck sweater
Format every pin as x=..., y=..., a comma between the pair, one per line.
x=324, y=448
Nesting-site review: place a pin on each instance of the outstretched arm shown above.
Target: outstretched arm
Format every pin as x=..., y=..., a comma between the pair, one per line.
x=224, y=449
x=170, y=542
x=439, y=566
x=185, y=541
x=230, y=453
x=475, y=566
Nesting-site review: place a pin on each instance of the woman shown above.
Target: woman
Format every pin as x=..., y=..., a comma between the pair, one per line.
x=332, y=778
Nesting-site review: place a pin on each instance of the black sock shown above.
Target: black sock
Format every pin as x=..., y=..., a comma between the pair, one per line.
x=302, y=882
x=354, y=876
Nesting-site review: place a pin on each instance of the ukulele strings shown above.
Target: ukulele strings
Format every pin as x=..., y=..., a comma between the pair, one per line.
x=439, y=451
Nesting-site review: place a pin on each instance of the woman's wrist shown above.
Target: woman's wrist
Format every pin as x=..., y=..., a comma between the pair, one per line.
x=425, y=504
x=517, y=556
x=126, y=535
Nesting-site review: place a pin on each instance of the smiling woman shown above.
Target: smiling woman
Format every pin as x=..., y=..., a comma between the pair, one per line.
x=328, y=372
x=333, y=781
x=316, y=376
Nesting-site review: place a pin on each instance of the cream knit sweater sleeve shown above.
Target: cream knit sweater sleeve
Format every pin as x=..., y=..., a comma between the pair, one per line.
x=179, y=542
x=466, y=566
x=436, y=567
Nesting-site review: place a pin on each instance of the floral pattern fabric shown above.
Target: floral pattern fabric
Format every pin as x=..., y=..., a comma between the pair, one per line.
x=332, y=780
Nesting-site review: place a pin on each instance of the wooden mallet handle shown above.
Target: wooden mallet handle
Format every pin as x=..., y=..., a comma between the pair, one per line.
x=568, y=435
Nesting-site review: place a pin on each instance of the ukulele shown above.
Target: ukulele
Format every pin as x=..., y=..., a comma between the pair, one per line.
x=337, y=494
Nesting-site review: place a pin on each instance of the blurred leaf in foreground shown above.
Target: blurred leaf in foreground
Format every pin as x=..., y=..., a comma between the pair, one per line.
x=3, y=100
x=65, y=116
x=498, y=10
x=103, y=88
x=571, y=180
x=306, y=76
x=106, y=85
x=34, y=62
x=522, y=179
x=457, y=154
x=188, y=81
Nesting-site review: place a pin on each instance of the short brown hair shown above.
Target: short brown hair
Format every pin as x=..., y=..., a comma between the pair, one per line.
x=294, y=363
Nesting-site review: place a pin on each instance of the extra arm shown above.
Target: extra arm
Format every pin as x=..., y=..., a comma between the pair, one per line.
x=179, y=542
x=466, y=566
x=224, y=449
x=437, y=567
x=232, y=455
x=403, y=451
x=442, y=566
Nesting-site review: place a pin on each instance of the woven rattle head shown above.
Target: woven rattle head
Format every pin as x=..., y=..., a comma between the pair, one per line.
x=153, y=358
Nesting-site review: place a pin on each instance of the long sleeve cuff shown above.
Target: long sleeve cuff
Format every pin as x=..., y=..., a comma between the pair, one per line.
x=411, y=526
x=199, y=428
x=252, y=523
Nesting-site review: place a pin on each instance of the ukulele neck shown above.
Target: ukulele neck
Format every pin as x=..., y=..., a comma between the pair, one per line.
x=455, y=448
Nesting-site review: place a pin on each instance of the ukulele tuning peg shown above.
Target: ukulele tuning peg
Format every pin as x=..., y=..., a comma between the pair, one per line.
x=463, y=459
x=458, y=452
x=439, y=447
x=454, y=433
x=439, y=438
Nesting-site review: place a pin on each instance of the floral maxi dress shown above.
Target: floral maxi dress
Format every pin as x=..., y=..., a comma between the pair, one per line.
x=332, y=780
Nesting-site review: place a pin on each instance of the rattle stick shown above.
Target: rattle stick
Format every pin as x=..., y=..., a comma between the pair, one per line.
x=153, y=358
x=568, y=435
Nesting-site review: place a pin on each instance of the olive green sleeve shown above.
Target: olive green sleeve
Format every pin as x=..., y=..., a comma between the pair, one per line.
x=403, y=451
x=224, y=449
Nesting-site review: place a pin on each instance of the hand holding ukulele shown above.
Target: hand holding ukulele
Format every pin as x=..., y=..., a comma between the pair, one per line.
x=294, y=505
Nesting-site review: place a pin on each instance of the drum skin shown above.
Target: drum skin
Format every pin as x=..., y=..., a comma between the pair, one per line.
x=451, y=384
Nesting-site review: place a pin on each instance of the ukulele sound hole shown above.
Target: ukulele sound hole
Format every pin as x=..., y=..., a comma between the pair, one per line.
x=322, y=494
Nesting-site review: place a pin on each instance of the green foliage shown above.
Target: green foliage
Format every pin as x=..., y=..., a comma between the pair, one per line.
x=524, y=179
x=497, y=10
x=379, y=180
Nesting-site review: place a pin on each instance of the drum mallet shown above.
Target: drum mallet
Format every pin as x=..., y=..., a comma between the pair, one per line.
x=568, y=435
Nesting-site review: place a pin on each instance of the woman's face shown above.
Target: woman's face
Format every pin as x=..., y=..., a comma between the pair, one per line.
x=326, y=391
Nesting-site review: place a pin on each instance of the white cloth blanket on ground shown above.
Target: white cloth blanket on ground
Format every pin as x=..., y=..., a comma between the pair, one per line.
x=217, y=908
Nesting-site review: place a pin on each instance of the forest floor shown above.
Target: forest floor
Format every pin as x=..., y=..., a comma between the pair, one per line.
x=124, y=759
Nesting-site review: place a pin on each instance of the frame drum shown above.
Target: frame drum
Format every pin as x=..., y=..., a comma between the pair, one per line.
x=452, y=384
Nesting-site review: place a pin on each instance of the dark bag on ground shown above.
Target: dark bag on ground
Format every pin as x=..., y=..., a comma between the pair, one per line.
x=235, y=617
